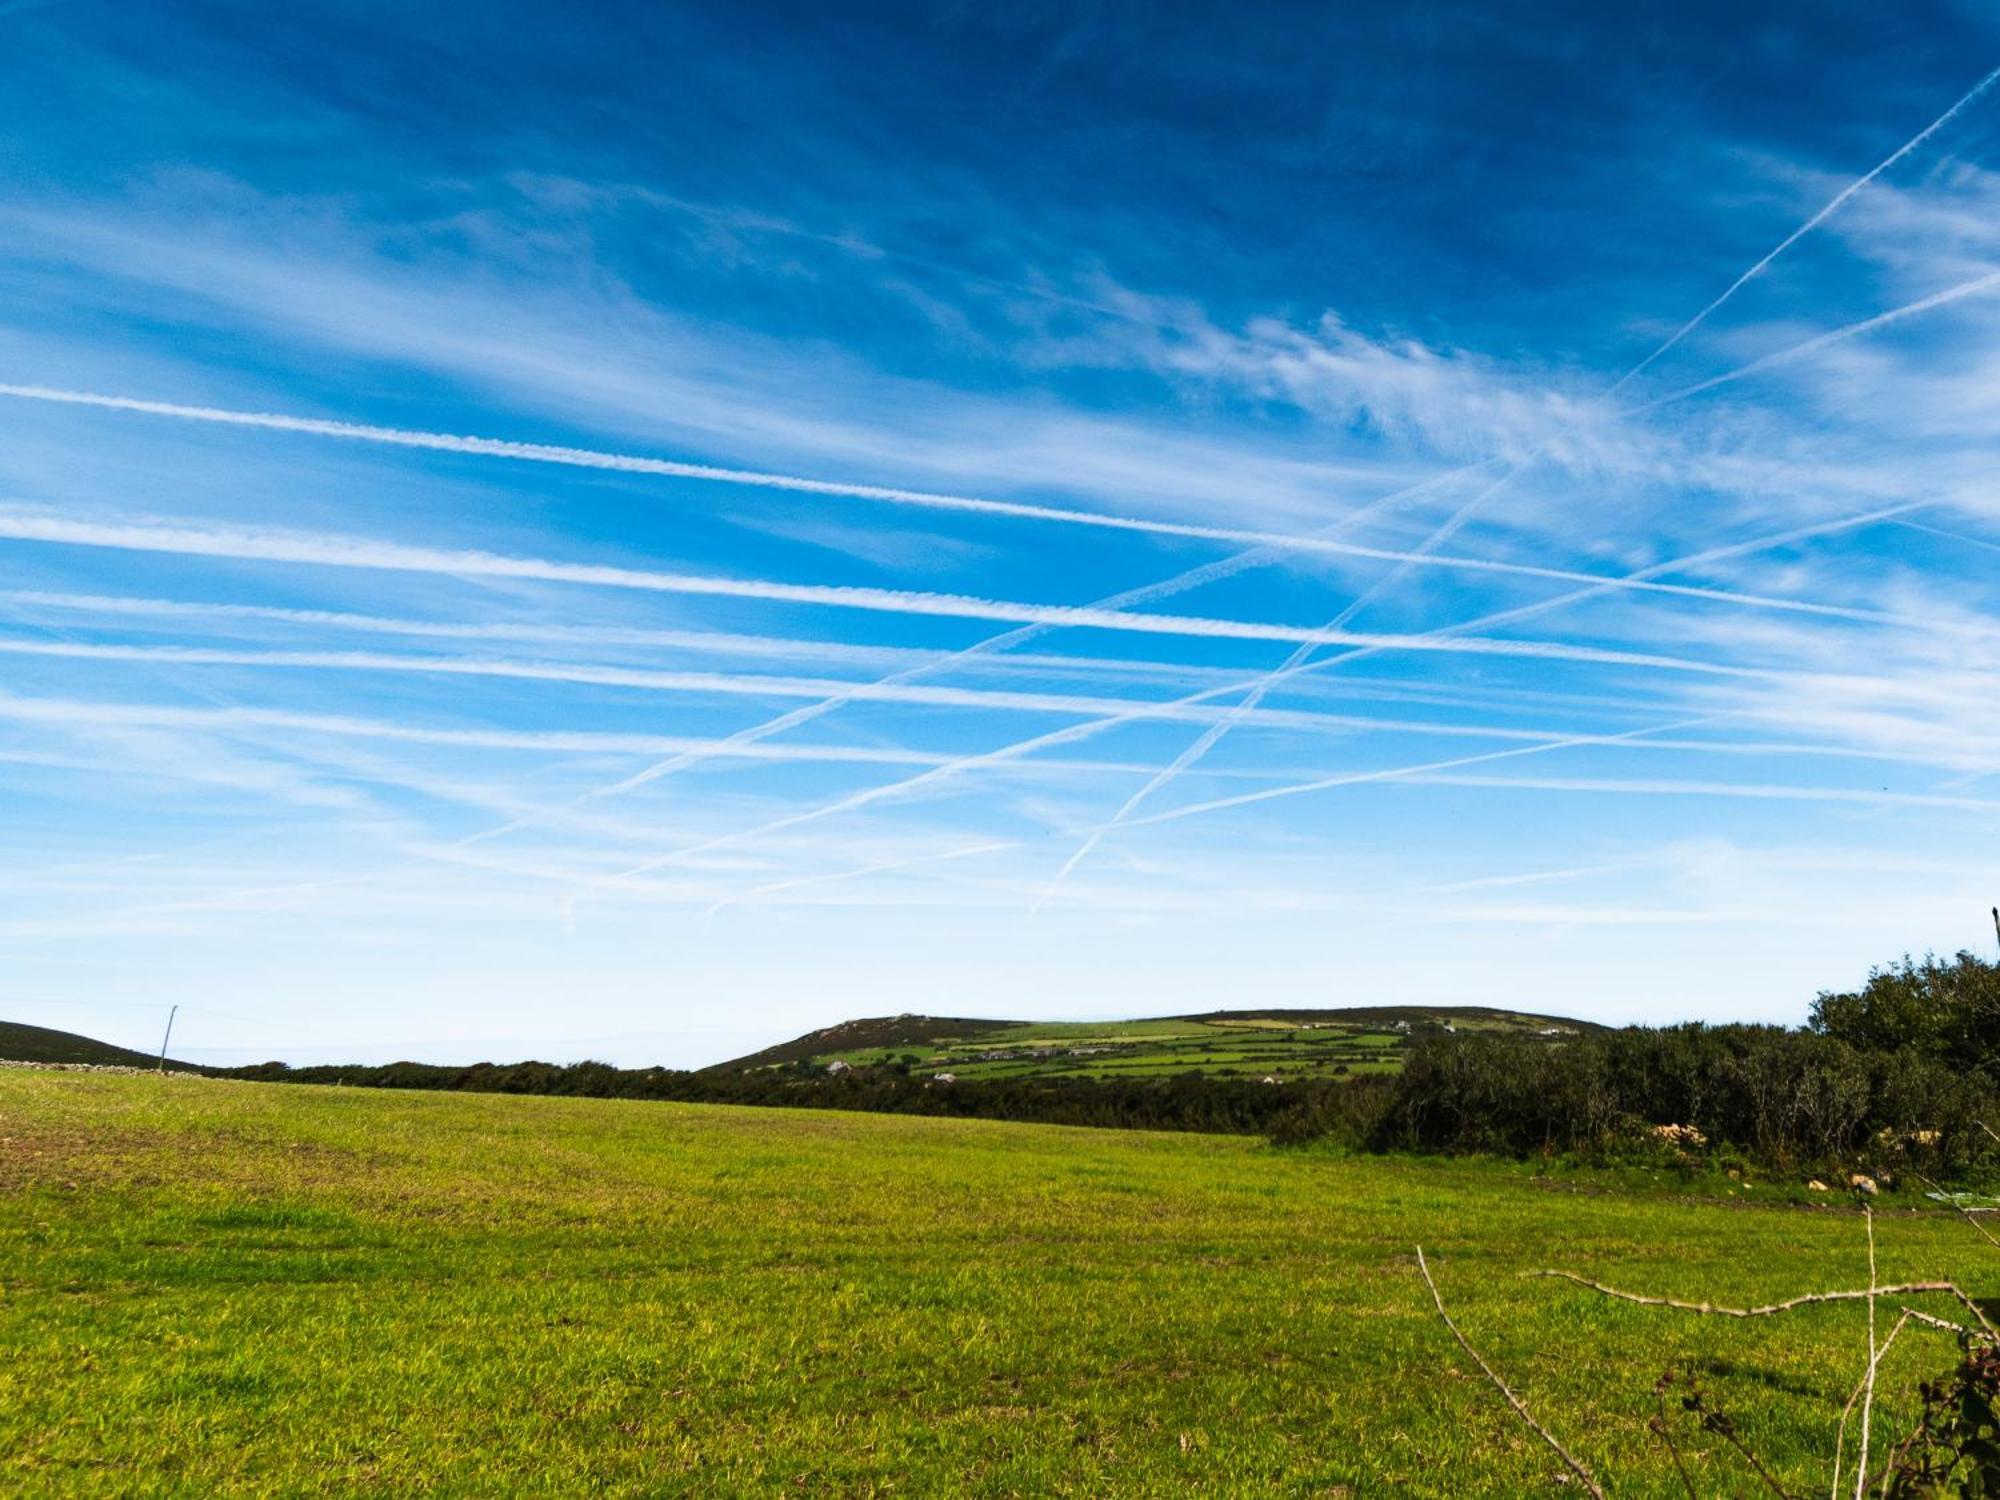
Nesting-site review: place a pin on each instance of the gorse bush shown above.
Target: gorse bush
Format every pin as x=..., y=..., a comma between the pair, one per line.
x=1946, y=1012
x=1785, y=1098
x=1898, y=1075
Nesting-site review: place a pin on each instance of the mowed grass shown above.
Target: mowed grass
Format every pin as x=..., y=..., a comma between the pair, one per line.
x=228, y=1288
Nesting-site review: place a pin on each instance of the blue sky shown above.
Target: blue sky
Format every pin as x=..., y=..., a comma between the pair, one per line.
x=632, y=531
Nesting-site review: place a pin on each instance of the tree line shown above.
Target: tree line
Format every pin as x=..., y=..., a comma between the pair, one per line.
x=1901, y=1073
x=1904, y=1071
x=1189, y=1101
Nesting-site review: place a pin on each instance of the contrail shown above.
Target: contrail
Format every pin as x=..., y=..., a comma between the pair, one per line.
x=1354, y=778
x=1209, y=738
x=1071, y=734
x=1832, y=206
x=345, y=552
x=707, y=642
x=632, y=463
x=1306, y=650
x=1757, y=790
x=1179, y=583
x=1851, y=330
x=1437, y=774
x=1253, y=700
x=1950, y=294
x=1952, y=536
x=1081, y=731
x=991, y=645
x=342, y=551
x=62, y=711
x=758, y=685
x=1262, y=541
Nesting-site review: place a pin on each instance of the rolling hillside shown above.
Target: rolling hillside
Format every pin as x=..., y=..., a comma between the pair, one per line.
x=1280, y=1044
x=24, y=1043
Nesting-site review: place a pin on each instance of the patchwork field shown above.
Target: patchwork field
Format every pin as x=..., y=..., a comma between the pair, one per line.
x=1279, y=1044
x=217, y=1287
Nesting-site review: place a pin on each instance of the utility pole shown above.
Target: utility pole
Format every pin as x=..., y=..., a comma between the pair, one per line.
x=168, y=1037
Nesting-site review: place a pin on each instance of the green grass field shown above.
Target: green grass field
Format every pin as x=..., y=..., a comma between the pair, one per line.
x=216, y=1288
x=1282, y=1045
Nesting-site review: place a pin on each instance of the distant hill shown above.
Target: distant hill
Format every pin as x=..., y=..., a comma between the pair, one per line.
x=1278, y=1044
x=23, y=1043
x=879, y=1032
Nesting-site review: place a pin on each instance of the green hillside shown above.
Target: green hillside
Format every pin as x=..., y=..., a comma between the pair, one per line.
x=23, y=1043
x=1280, y=1044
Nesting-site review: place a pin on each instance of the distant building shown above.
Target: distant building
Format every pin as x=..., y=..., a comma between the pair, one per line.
x=838, y=1065
x=944, y=1077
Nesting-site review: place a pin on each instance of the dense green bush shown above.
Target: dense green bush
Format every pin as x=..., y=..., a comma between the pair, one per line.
x=1784, y=1098
x=1189, y=1101
x=1948, y=1012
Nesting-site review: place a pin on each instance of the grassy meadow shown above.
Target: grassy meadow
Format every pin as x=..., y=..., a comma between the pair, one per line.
x=1288, y=1047
x=214, y=1287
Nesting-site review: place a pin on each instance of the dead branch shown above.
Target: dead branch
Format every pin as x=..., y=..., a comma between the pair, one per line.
x=1712, y=1309
x=1663, y=1429
x=1944, y=1324
x=1874, y=1359
x=1840, y=1432
x=1719, y=1422
x=1520, y=1409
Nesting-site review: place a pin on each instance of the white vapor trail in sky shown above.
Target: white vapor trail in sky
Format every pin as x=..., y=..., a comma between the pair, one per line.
x=1832, y=206
x=347, y=552
x=1209, y=738
x=1458, y=519
x=1260, y=541
x=632, y=463
x=1437, y=773
x=1077, y=732
x=1950, y=294
x=1352, y=778
x=753, y=685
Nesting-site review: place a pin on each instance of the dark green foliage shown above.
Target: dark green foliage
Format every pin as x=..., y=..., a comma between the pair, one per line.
x=1189, y=1101
x=1348, y=1113
x=1949, y=1012
x=1785, y=1098
x=1955, y=1448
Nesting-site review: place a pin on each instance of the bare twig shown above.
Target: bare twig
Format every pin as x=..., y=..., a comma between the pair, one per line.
x=1840, y=1433
x=1902, y=1289
x=1520, y=1410
x=1874, y=1359
x=1944, y=1324
x=1663, y=1428
x=1749, y=1456
x=1719, y=1422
